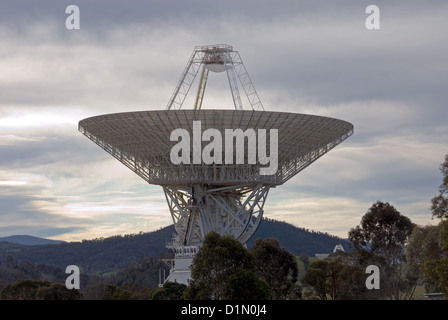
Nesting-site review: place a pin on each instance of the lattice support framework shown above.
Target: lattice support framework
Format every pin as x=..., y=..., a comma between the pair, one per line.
x=217, y=58
x=234, y=210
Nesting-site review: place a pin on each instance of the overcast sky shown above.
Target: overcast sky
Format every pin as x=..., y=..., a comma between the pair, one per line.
x=313, y=57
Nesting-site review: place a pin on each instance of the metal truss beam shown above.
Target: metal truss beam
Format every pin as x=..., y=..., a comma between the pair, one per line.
x=230, y=61
x=140, y=140
x=197, y=211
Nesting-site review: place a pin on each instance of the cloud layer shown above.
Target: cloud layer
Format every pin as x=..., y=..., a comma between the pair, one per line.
x=308, y=57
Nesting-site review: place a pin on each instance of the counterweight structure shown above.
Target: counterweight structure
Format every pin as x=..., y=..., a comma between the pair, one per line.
x=224, y=197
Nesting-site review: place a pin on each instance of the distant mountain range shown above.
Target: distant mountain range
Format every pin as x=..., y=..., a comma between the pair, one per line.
x=105, y=255
x=29, y=240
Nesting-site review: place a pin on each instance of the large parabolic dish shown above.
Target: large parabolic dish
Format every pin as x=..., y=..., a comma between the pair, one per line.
x=141, y=141
x=228, y=194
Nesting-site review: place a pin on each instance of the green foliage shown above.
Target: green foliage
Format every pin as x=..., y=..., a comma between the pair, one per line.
x=427, y=253
x=277, y=267
x=423, y=254
x=137, y=291
x=439, y=204
x=22, y=290
x=383, y=231
x=380, y=239
x=305, y=260
x=145, y=271
x=334, y=279
x=222, y=263
x=57, y=291
x=12, y=271
x=113, y=292
x=316, y=277
x=244, y=284
x=37, y=290
x=169, y=291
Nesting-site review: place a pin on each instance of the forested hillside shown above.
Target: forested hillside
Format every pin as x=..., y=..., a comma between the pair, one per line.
x=297, y=240
x=101, y=255
x=107, y=255
x=29, y=240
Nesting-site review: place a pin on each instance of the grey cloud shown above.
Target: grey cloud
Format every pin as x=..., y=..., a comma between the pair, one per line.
x=18, y=215
x=319, y=50
x=54, y=149
x=313, y=56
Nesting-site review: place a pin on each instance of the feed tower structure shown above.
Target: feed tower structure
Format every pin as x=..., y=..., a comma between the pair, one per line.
x=215, y=166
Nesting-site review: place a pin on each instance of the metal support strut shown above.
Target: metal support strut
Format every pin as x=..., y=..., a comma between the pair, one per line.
x=237, y=211
x=216, y=58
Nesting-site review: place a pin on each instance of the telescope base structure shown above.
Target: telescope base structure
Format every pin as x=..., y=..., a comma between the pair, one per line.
x=180, y=270
x=227, y=194
x=227, y=210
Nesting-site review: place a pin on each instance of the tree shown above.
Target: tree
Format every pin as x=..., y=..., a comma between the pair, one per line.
x=169, y=291
x=23, y=290
x=144, y=271
x=380, y=239
x=333, y=279
x=424, y=254
x=436, y=266
x=137, y=291
x=221, y=263
x=57, y=291
x=113, y=292
x=245, y=284
x=277, y=267
x=439, y=204
x=316, y=276
x=443, y=269
x=305, y=259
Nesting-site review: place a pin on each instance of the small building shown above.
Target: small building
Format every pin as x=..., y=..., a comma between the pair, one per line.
x=432, y=296
x=337, y=248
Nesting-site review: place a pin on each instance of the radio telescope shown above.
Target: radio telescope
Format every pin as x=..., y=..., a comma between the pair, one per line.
x=224, y=196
